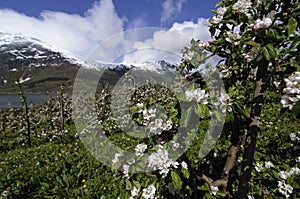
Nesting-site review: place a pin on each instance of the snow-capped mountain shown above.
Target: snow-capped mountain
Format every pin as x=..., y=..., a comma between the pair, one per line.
x=40, y=67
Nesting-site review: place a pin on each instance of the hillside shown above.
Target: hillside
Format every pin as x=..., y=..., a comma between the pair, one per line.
x=42, y=68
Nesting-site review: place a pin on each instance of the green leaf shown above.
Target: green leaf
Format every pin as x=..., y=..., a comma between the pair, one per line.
x=209, y=196
x=229, y=117
x=221, y=193
x=45, y=185
x=292, y=25
x=176, y=180
x=266, y=53
x=173, y=113
x=272, y=51
x=202, y=111
x=186, y=173
x=128, y=184
x=181, y=96
x=136, y=184
x=185, y=117
x=65, y=179
x=295, y=43
x=219, y=115
x=271, y=33
x=253, y=43
x=58, y=179
x=296, y=11
x=204, y=187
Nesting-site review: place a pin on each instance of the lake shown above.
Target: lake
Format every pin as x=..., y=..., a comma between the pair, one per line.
x=13, y=100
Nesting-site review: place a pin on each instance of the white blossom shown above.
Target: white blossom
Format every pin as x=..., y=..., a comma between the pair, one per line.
x=188, y=56
x=221, y=11
x=215, y=20
x=134, y=192
x=158, y=125
x=234, y=37
x=139, y=149
x=259, y=167
x=269, y=164
x=176, y=145
x=264, y=23
x=223, y=102
x=276, y=84
x=184, y=165
x=293, y=136
x=149, y=192
x=285, y=189
x=292, y=91
x=284, y=175
x=214, y=190
x=160, y=161
x=149, y=114
x=198, y=95
x=295, y=171
x=202, y=44
x=242, y=6
x=140, y=105
x=5, y=193
x=116, y=158
x=126, y=170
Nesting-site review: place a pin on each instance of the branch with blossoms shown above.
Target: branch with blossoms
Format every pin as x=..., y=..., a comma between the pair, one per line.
x=258, y=41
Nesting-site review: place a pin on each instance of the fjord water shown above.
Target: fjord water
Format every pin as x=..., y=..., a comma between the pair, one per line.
x=14, y=100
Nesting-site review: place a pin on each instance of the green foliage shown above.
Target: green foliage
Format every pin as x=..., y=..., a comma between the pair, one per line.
x=58, y=165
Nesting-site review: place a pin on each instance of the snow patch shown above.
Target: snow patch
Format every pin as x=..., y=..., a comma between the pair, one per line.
x=24, y=80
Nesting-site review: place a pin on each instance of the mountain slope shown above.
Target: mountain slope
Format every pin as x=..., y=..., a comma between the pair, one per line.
x=37, y=66
x=40, y=68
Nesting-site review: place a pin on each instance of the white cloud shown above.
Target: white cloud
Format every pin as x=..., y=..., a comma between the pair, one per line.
x=167, y=44
x=74, y=33
x=80, y=34
x=171, y=8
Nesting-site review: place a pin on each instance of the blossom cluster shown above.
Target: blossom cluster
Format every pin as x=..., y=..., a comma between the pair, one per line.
x=294, y=136
x=285, y=174
x=223, y=102
x=292, y=91
x=259, y=166
x=283, y=187
x=154, y=124
x=242, y=6
x=160, y=161
x=264, y=23
x=148, y=193
x=139, y=149
x=198, y=94
x=219, y=16
x=189, y=53
x=234, y=37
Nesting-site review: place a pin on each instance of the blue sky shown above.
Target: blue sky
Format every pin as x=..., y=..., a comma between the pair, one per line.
x=77, y=26
x=145, y=12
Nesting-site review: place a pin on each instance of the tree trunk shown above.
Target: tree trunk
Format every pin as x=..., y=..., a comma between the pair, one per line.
x=62, y=119
x=235, y=141
x=27, y=122
x=258, y=100
x=25, y=107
